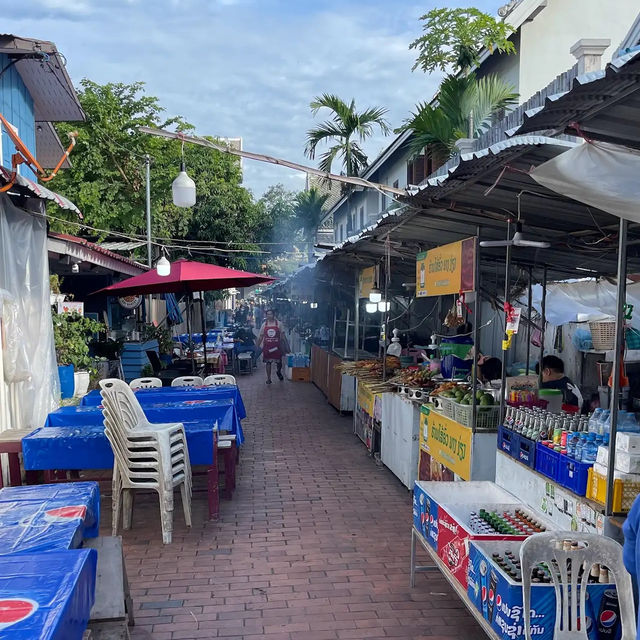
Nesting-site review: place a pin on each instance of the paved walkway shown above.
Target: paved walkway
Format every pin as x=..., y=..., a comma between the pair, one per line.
x=314, y=545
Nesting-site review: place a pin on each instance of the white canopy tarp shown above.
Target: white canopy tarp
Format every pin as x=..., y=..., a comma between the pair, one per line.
x=584, y=300
x=605, y=176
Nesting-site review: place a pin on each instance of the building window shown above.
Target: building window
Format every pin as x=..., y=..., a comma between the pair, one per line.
x=396, y=184
x=362, y=217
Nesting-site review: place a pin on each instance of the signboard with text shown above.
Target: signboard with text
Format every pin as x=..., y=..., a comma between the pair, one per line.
x=367, y=280
x=448, y=269
x=71, y=307
x=448, y=442
x=366, y=399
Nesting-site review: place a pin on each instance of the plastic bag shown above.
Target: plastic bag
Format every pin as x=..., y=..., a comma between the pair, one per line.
x=14, y=352
x=581, y=340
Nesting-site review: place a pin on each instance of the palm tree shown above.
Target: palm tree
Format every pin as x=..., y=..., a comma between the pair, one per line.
x=465, y=108
x=309, y=209
x=346, y=128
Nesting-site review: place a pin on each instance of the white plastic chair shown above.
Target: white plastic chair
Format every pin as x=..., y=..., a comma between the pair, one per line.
x=219, y=380
x=147, y=456
x=145, y=383
x=187, y=381
x=571, y=621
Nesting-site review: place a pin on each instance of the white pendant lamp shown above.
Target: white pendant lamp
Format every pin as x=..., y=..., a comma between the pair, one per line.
x=375, y=295
x=384, y=306
x=183, y=189
x=371, y=307
x=163, y=267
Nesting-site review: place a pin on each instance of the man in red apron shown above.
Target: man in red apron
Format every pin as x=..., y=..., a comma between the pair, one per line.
x=271, y=340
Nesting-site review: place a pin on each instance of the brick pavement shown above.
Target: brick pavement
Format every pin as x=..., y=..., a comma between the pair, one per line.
x=313, y=546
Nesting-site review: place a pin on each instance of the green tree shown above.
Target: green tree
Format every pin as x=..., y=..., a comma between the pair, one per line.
x=309, y=210
x=454, y=38
x=465, y=108
x=346, y=128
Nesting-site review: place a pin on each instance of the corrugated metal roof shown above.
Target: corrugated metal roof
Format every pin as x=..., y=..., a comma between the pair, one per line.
x=483, y=190
x=38, y=190
x=121, y=246
x=605, y=104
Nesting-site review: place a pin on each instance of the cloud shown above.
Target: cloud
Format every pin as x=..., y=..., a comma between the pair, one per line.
x=242, y=67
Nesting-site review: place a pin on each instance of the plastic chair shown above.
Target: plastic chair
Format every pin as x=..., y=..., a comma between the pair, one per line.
x=187, y=381
x=147, y=456
x=571, y=621
x=218, y=380
x=145, y=383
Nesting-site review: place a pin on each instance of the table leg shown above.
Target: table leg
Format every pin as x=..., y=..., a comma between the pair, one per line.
x=213, y=491
x=15, y=477
x=233, y=458
x=31, y=477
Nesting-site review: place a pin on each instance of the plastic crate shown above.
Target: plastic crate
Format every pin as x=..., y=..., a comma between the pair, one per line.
x=547, y=462
x=508, y=441
x=624, y=493
x=526, y=452
x=574, y=475
x=445, y=405
x=487, y=418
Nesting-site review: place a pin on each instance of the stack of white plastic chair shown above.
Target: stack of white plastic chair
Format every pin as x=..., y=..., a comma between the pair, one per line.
x=187, y=381
x=147, y=456
x=219, y=380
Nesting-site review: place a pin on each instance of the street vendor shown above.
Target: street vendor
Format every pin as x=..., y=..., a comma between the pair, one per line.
x=489, y=369
x=553, y=378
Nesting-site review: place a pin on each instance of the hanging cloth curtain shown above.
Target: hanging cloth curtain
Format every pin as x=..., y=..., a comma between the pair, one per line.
x=600, y=174
x=173, y=309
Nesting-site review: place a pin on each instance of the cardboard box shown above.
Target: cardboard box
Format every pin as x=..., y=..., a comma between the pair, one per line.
x=499, y=598
x=300, y=374
x=628, y=442
x=625, y=461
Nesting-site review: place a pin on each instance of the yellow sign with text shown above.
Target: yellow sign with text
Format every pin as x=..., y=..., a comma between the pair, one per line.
x=447, y=269
x=448, y=442
x=366, y=399
x=367, y=279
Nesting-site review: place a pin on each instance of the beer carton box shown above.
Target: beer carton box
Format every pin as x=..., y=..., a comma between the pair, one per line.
x=499, y=599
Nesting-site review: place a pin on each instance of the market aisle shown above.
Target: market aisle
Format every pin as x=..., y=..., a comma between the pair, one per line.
x=314, y=545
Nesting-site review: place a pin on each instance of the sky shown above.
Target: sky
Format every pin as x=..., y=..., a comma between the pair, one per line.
x=246, y=68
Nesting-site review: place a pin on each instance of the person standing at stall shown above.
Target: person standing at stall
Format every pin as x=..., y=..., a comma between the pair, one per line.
x=553, y=378
x=274, y=344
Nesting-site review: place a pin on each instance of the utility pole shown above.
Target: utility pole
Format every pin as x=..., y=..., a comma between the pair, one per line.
x=147, y=162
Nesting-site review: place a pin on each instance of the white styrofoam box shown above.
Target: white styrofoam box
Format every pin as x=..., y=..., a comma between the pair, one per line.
x=628, y=442
x=479, y=492
x=625, y=461
x=601, y=469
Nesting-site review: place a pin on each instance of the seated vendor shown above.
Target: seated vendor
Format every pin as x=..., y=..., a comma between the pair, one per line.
x=489, y=369
x=553, y=378
x=244, y=339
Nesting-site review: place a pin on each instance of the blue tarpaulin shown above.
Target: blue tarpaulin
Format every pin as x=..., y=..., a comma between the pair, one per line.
x=152, y=396
x=87, y=447
x=48, y=517
x=47, y=596
x=223, y=411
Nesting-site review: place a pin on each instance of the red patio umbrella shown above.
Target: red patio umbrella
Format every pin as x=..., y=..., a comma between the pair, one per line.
x=187, y=277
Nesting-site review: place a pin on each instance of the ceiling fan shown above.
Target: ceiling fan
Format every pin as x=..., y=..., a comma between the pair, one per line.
x=518, y=240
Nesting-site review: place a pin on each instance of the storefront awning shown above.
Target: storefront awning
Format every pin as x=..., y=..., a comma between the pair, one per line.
x=38, y=190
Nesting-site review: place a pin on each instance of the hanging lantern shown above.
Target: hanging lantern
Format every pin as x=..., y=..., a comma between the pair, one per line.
x=163, y=267
x=371, y=307
x=375, y=295
x=384, y=306
x=183, y=189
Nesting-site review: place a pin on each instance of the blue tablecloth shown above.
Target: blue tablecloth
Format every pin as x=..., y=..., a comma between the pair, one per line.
x=148, y=397
x=222, y=410
x=47, y=595
x=86, y=447
x=48, y=517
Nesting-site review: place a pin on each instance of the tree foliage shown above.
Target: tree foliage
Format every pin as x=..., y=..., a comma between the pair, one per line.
x=454, y=38
x=346, y=129
x=309, y=210
x=465, y=108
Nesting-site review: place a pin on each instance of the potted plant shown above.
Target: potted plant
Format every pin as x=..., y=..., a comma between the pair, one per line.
x=72, y=333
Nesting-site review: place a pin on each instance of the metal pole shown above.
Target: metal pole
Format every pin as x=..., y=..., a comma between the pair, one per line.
x=618, y=359
x=507, y=287
x=476, y=329
x=385, y=317
x=346, y=333
x=204, y=329
x=147, y=163
x=356, y=318
x=543, y=323
x=529, y=303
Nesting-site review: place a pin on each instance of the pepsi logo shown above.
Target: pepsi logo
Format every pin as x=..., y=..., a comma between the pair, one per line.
x=484, y=593
x=498, y=600
x=67, y=513
x=431, y=519
x=608, y=618
x=13, y=610
x=492, y=595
